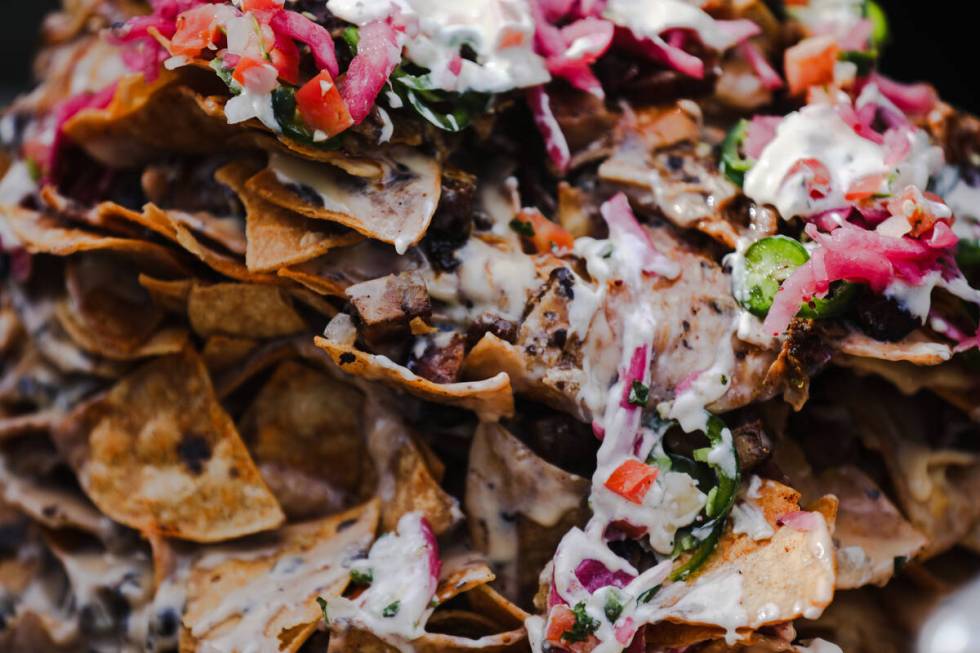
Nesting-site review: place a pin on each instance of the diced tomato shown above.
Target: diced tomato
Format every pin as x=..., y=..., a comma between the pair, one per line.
x=320, y=105
x=285, y=57
x=816, y=177
x=922, y=210
x=547, y=234
x=510, y=38
x=262, y=5
x=255, y=75
x=632, y=480
x=561, y=620
x=197, y=29
x=810, y=63
x=864, y=188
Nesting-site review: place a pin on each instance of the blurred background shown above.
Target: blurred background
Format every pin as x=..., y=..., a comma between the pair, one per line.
x=930, y=41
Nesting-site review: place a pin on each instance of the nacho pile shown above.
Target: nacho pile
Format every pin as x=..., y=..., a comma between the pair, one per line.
x=551, y=326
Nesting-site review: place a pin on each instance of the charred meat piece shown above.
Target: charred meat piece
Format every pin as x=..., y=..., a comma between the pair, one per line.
x=491, y=323
x=883, y=319
x=387, y=305
x=440, y=362
x=752, y=444
x=453, y=219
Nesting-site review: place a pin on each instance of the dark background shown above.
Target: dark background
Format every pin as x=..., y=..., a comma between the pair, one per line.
x=937, y=41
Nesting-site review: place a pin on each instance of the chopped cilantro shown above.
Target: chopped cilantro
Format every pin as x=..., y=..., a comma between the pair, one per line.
x=724, y=380
x=613, y=607
x=639, y=394
x=584, y=625
x=648, y=595
x=323, y=606
x=525, y=229
x=391, y=609
x=361, y=576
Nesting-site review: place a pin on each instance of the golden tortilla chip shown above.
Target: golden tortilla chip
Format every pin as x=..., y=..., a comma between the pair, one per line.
x=158, y=453
x=541, y=503
x=228, y=265
x=277, y=237
x=170, y=295
x=305, y=432
x=951, y=380
x=43, y=498
x=491, y=398
x=263, y=596
x=242, y=310
x=221, y=352
x=396, y=209
x=772, y=581
x=405, y=481
x=107, y=311
x=149, y=120
x=915, y=348
x=341, y=268
x=42, y=234
x=936, y=488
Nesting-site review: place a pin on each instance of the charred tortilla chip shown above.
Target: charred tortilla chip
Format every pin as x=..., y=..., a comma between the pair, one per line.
x=396, y=209
x=262, y=597
x=170, y=295
x=242, y=310
x=405, y=481
x=41, y=234
x=305, y=432
x=916, y=348
x=221, y=352
x=491, y=397
x=518, y=507
x=773, y=581
x=148, y=119
x=158, y=453
x=277, y=237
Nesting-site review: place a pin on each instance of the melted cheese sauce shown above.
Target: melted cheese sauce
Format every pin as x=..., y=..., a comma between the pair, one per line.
x=398, y=602
x=650, y=18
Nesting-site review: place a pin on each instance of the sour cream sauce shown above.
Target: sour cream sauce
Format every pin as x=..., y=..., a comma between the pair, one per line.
x=818, y=132
x=499, y=32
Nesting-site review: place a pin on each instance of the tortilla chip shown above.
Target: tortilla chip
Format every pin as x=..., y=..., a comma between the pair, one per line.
x=150, y=120
x=229, y=232
x=951, y=380
x=541, y=503
x=12, y=426
x=262, y=596
x=277, y=237
x=225, y=264
x=41, y=496
x=42, y=234
x=158, y=453
x=396, y=209
x=242, y=310
x=915, y=348
x=936, y=488
x=787, y=576
x=405, y=482
x=170, y=295
x=109, y=313
x=221, y=352
x=873, y=535
x=333, y=273
x=304, y=429
x=491, y=398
